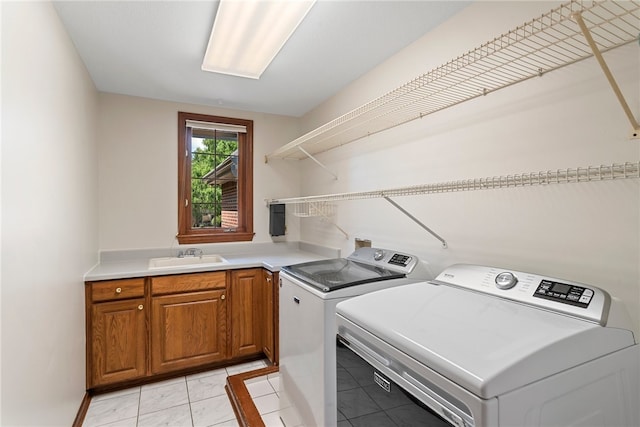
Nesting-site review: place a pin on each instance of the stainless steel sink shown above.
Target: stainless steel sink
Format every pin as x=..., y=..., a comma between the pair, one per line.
x=189, y=261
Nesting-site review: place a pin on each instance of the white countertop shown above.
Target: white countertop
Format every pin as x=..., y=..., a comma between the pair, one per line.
x=272, y=256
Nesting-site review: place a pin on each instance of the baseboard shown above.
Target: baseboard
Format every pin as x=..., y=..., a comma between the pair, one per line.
x=82, y=411
x=241, y=401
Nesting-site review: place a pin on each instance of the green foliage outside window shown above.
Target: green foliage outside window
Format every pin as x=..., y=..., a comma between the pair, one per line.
x=206, y=193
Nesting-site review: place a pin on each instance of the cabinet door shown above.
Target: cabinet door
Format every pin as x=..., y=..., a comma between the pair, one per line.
x=118, y=341
x=276, y=317
x=268, y=319
x=247, y=312
x=188, y=330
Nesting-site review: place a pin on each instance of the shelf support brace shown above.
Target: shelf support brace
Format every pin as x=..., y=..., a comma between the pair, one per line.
x=306, y=153
x=325, y=217
x=416, y=220
x=635, y=134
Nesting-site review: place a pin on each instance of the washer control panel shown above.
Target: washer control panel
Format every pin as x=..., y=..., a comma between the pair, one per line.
x=548, y=293
x=385, y=258
x=506, y=280
x=565, y=293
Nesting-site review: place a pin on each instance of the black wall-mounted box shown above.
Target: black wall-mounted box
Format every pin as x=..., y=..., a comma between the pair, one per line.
x=276, y=220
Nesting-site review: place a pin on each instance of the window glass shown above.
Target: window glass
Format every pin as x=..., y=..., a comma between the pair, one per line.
x=215, y=179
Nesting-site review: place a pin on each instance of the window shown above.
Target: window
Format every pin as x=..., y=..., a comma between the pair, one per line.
x=215, y=179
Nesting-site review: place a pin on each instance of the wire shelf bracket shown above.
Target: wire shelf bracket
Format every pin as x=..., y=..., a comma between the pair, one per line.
x=417, y=221
x=318, y=162
x=635, y=132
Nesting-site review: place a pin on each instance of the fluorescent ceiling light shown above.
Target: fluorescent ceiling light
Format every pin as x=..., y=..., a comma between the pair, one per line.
x=248, y=34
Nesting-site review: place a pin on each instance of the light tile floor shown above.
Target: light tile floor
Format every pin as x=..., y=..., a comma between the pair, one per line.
x=198, y=400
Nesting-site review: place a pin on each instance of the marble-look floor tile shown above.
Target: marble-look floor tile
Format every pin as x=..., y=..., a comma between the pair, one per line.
x=129, y=422
x=110, y=410
x=208, y=412
x=230, y=423
x=259, y=388
x=246, y=367
x=272, y=419
x=177, y=416
x=194, y=400
x=170, y=394
x=275, y=382
x=119, y=393
x=221, y=371
x=164, y=383
x=205, y=387
x=266, y=404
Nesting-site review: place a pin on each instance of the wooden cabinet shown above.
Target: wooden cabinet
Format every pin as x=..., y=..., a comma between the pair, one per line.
x=144, y=327
x=247, y=312
x=270, y=316
x=188, y=321
x=116, y=332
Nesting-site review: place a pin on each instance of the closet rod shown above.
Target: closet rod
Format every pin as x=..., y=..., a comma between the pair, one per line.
x=559, y=176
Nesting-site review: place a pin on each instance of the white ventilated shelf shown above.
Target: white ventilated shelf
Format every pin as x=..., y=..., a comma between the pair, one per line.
x=547, y=43
x=559, y=176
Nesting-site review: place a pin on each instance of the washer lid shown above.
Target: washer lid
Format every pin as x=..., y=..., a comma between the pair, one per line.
x=333, y=274
x=485, y=344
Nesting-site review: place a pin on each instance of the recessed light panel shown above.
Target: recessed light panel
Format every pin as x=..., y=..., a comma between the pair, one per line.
x=248, y=34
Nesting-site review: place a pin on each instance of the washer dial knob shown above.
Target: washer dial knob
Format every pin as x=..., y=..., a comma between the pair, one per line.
x=378, y=254
x=506, y=280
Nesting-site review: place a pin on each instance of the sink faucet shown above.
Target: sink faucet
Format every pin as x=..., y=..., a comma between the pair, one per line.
x=190, y=252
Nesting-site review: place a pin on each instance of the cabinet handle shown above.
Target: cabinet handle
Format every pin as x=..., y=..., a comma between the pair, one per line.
x=222, y=297
x=268, y=279
x=118, y=290
x=140, y=307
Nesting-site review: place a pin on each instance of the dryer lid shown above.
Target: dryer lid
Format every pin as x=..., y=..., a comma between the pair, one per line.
x=485, y=344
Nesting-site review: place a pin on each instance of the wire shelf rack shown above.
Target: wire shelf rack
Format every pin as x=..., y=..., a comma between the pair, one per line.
x=539, y=46
x=614, y=171
x=314, y=209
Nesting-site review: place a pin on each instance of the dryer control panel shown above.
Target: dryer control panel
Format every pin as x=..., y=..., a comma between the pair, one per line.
x=564, y=293
x=562, y=296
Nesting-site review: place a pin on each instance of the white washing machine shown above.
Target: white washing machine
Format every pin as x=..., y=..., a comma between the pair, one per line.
x=484, y=347
x=309, y=293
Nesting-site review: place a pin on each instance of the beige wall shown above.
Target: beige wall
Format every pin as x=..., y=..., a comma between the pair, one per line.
x=567, y=118
x=49, y=216
x=138, y=170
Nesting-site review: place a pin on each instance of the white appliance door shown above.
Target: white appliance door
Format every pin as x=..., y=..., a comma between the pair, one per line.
x=302, y=360
x=485, y=344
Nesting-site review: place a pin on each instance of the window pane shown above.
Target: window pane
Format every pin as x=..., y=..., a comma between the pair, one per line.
x=215, y=179
x=205, y=215
x=214, y=176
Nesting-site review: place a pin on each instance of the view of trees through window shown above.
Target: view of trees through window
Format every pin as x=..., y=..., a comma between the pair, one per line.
x=215, y=179
x=214, y=176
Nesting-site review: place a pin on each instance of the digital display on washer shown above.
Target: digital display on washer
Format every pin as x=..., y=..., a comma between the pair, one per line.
x=564, y=293
x=399, y=259
x=561, y=288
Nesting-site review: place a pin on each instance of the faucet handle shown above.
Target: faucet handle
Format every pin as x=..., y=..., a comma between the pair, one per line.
x=192, y=252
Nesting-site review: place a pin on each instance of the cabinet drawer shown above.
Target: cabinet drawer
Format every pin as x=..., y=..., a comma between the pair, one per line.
x=117, y=289
x=188, y=282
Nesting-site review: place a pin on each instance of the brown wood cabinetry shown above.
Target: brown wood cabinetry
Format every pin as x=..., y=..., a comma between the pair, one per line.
x=270, y=316
x=189, y=324
x=247, y=311
x=116, y=332
x=144, y=327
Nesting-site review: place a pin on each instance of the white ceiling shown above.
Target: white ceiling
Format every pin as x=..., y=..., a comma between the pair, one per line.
x=154, y=49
